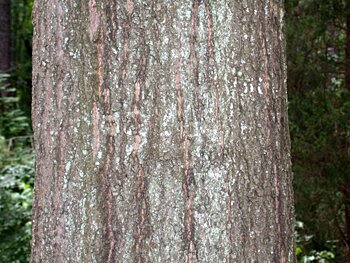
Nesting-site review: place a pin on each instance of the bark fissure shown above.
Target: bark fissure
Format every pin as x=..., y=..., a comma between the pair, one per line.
x=194, y=56
x=141, y=184
x=188, y=180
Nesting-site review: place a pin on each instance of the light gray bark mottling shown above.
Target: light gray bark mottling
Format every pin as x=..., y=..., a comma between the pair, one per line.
x=161, y=132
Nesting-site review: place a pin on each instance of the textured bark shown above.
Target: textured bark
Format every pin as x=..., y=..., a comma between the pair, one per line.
x=5, y=36
x=161, y=132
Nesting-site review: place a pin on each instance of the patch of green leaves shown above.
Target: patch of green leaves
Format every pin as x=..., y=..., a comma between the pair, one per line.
x=16, y=188
x=302, y=242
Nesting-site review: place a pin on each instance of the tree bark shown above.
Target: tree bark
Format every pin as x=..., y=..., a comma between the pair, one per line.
x=161, y=132
x=5, y=36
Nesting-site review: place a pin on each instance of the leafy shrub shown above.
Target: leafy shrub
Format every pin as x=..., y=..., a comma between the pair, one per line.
x=16, y=185
x=16, y=177
x=303, y=241
x=13, y=121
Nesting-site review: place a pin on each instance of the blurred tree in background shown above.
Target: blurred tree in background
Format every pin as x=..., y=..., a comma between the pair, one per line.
x=22, y=30
x=319, y=109
x=318, y=47
x=5, y=36
x=16, y=155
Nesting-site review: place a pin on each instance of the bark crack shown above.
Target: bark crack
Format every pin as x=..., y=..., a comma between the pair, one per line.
x=141, y=184
x=141, y=181
x=216, y=77
x=188, y=181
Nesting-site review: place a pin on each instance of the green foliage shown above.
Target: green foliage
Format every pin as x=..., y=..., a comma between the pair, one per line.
x=319, y=121
x=315, y=43
x=16, y=155
x=319, y=130
x=16, y=185
x=320, y=257
x=307, y=256
x=13, y=120
x=16, y=177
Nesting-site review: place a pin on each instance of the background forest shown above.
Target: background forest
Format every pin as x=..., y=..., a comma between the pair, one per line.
x=318, y=50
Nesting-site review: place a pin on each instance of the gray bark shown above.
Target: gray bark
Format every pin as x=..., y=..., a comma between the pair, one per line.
x=161, y=132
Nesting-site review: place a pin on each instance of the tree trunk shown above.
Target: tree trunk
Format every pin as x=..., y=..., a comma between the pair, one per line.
x=5, y=36
x=161, y=132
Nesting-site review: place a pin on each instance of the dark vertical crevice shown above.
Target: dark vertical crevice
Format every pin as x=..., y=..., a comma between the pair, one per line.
x=188, y=176
x=194, y=57
x=141, y=229
x=122, y=89
x=213, y=69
